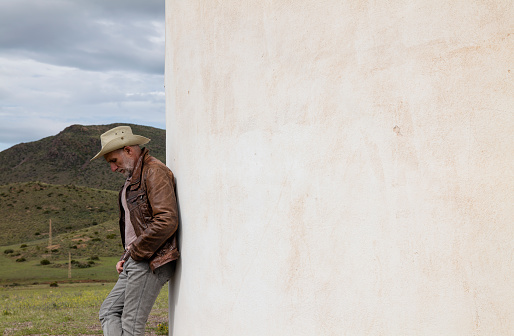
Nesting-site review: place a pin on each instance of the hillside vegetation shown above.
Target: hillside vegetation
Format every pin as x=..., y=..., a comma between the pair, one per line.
x=53, y=180
x=28, y=208
x=65, y=158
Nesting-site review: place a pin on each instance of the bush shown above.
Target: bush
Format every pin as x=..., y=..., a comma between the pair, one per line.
x=21, y=259
x=45, y=262
x=54, y=284
x=78, y=264
x=9, y=251
x=94, y=258
x=23, y=245
x=111, y=236
x=162, y=329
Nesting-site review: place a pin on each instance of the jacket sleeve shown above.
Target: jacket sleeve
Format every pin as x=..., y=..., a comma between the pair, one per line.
x=160, y=191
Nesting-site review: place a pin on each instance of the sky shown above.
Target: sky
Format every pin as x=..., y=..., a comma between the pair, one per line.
x=88, y=62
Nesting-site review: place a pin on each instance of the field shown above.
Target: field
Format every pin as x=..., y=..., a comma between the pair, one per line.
x=29, y=207
x=69, y=309
x=30, y=305
x=59, y=233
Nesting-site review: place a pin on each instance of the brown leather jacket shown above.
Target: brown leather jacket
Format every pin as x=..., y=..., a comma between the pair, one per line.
x=153, y=212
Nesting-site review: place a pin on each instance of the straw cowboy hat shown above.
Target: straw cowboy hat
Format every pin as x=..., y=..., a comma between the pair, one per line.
x=117, y=138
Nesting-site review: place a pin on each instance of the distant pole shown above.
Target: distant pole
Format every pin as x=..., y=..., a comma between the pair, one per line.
x=69, y=265
x=50, y=234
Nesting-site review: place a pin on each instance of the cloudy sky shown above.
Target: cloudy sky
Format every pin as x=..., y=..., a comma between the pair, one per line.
x=65, y=62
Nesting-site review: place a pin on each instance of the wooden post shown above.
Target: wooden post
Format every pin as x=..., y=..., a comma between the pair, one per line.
x=50, y=234
x=69, y=265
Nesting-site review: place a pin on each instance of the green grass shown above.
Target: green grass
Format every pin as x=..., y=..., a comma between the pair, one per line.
x=99, y=257
x=69, y=309
x=27, y=209
x=30, y=272
x=101, y=240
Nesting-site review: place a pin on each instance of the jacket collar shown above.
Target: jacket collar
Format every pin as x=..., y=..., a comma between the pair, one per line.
x=138, y=170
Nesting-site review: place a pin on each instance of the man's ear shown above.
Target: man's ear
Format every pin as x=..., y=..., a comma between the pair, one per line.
x=128, y=150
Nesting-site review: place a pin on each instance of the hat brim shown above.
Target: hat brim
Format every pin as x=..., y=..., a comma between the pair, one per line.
x=118, y=143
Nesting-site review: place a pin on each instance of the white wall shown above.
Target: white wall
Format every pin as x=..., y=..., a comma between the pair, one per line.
x=343, y=167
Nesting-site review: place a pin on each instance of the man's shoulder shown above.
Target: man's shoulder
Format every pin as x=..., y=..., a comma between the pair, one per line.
x=154, y=164
x=153, y=161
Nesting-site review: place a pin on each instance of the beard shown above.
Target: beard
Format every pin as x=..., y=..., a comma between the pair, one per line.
x=127, y=172
x=128, y=168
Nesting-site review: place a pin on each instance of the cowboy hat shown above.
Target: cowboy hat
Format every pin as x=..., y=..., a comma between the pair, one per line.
x=117, y=138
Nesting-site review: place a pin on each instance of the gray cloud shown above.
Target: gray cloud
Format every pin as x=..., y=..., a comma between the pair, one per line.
x=91, y=35
x=79, y=61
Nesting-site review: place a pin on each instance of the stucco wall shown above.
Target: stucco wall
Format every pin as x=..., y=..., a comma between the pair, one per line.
x=343, y=167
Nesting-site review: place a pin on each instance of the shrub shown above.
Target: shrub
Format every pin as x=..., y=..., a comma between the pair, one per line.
x=9, y=251
x=54, y=284
x=37, y=234
x=96, y=239
x=111, y=236
x=162, y=329
x=55, y=250
x=23, y=245
x=45, y=262
x=94, y=258
x=80, y=265
x=21, y=259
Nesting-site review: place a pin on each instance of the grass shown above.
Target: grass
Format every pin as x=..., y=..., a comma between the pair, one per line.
x=32, y=272
x=28, y=208
x=69, y=309
x=100, y=240
x=91, y=260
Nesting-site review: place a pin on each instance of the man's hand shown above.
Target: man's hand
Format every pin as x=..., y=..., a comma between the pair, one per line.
x=119, y=266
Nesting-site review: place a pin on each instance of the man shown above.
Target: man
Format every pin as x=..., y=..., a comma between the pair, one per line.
x=148, y=226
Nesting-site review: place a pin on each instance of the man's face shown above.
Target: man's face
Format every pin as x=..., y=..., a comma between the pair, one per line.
x=121, y=161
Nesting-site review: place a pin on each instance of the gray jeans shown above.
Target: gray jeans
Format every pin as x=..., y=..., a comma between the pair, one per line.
x=126, y=308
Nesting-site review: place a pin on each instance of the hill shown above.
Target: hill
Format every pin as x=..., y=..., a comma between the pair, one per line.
x=27, y=209
x=64, y=159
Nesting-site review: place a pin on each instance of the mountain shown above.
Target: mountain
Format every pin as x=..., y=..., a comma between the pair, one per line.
x=64, y=159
